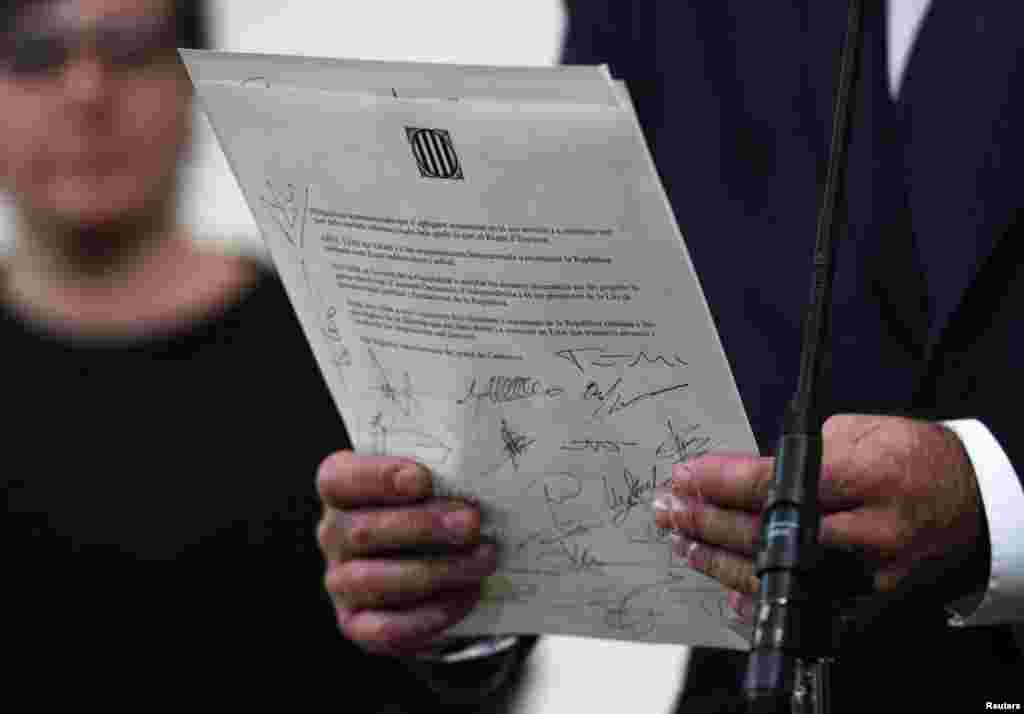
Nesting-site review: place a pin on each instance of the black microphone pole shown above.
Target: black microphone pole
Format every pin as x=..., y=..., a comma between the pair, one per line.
x=796, y=617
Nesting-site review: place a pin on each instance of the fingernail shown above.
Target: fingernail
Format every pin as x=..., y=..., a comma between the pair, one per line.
x=459, y=523
x=680, y=513
x=682, y=471
x=742, y=605
x=681, y=545
x=412, y=480
x=734, y=600
x=689, y=551
x=665, y=500
x=747, y=608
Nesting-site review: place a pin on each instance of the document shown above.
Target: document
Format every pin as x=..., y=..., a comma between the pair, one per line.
x=491, y=278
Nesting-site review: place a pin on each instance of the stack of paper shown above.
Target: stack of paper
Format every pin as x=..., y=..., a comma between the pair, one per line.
x=491, y=278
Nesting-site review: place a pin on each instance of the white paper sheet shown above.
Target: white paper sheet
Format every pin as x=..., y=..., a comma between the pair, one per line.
x=492, y=281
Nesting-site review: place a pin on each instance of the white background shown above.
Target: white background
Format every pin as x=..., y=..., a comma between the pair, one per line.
x=566, y=674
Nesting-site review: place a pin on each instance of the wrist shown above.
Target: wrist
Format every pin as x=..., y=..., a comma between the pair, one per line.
x=972, y=565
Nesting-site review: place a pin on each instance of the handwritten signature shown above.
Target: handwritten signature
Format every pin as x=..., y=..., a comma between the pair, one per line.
x=583, y=357
x=402, y=397
x=597, y=445
x=558, y=488
x=612, y=400
x=573, y=557
x=287, y=208
x=390, y=439
x=622, y=500
x=623, y=613
x=515, y=443
x=500, y=390
x=682, y=444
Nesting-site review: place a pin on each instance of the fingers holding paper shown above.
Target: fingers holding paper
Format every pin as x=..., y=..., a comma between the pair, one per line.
x=401, y=564
x=896, y=490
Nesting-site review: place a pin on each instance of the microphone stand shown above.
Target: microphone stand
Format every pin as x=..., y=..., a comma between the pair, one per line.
x=797, y=618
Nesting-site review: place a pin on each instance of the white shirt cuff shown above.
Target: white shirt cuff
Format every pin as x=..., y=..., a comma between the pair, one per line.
x=1003, y=499
x=460, y=649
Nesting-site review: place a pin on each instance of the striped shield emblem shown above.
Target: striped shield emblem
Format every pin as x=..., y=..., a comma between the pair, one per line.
x=434, y=153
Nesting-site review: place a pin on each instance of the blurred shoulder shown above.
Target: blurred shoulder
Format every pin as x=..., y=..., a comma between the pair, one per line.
x=232, y=272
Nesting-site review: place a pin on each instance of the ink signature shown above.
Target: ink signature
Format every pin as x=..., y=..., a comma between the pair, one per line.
x=404, y=397
x=516, y=444
x=332, y=326
x=681, y=445
x=559, y=491
x=342, y=355
x=572, y=557
x=597, y=445
x=558, y=488
x=500, y=390
x=621, y=612
x=389, y=440
x=612, y=400
x=621, y=501
x=583, y=357
x=287, y=208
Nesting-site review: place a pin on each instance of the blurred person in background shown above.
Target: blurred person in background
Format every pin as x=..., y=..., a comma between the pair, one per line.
x=163, y=414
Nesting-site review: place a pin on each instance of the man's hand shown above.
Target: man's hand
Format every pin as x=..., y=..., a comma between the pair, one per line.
x=898, y=491
x=402, y=566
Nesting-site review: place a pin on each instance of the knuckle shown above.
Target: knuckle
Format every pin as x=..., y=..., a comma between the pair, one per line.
x=708, y=561
x=336, y=585
x=325, y=533
x=422, y=576
x=888, y=544
x=731, y=571
x=902, y=537
x=688, y=518
x=360, y=532
x=751, y=535
x=731, y=574
x=413, y=524
x=370, y=631
x=471, y=521
x=347, y=621
x=377, y=630
x=752, y=584
x=358, y=574
x=407, y=479
x=342, y=614
x=351, y=584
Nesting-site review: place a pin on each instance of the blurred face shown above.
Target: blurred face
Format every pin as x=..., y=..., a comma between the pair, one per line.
x=95, y=111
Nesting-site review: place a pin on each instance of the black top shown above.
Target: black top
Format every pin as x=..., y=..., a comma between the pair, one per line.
x=161, y=510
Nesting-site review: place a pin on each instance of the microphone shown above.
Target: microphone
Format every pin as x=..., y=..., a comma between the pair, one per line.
x=795, y=621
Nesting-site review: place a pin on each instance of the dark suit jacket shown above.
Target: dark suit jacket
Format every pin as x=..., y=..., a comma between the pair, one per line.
x=736, y=99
